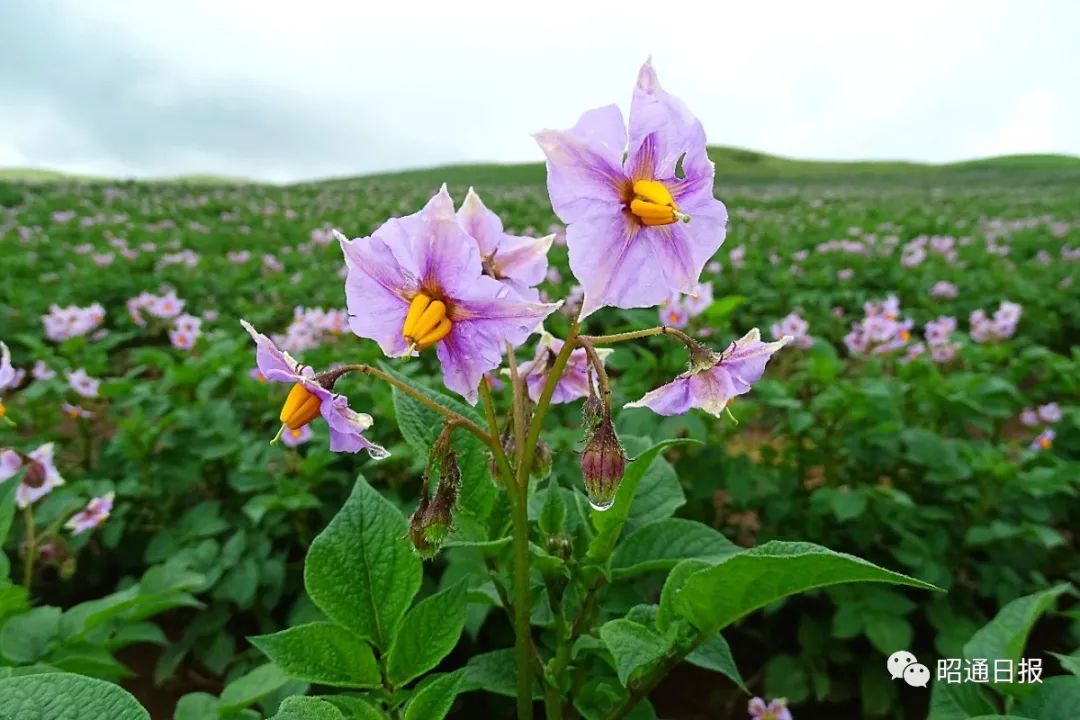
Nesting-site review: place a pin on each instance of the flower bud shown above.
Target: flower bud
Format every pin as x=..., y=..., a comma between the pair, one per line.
x=592, y=412
x=433, y=519
x=602, y=465
x=35, y=475
x=541, y=462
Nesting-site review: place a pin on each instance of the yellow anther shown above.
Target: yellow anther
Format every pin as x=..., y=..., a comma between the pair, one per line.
x=426, y=322
x=653, y=204
x=300, y=408
x=1045, y=443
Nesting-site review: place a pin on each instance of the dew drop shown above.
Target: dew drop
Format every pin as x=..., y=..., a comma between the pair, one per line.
x=602, y=505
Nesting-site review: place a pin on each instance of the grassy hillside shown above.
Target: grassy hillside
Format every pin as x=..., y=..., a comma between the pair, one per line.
x=733, y=165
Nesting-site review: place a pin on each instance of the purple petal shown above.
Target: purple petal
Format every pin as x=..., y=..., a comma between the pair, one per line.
x=613, y=267
x=10, y=462
x=377, y=288
x=347, y=426
x=523, y=260
x=273, y=363
x=675, y=398
x=746, y=360
x=447, y=258
x=481, y=224
x=584, y=163
x=7, y=372
x=662, y=121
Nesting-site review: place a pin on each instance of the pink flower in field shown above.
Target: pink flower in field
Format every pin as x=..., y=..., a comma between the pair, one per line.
x=71, y=321
x=795, y=326
x=1044, y=441
x=41, y=476
x=699, y=299
x=299, y=436
x=93, y=515
x=914, y=350
x=272, y=264
x=188, y=324
x=938, y=331
x=239, y=257
x=673, y=313
x=845, y=274
x=104, y=259
x=42, y=372
x=944, y=352
x=181, y=340
x=1001, y=326
x=74, y=411
x=737, y=256
x=83, y=384
x=912, y=256
x=775, y=710
x=1050, y=413
x=167, y=306
x=714, y=267
x=943, y=290
x=1030, y=418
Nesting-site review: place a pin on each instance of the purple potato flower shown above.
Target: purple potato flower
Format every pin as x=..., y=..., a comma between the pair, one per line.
x=520, y=262
x=81, y=382
x=1050, y=412
x=40, y=478
x=93, y=515
x=775, y=710
x=637, y=200
x=294, y=438
x=714, y=379
x=346, y=426
x=418, y=282
x=1044, y=440
x=574, y=382
x=7, y=372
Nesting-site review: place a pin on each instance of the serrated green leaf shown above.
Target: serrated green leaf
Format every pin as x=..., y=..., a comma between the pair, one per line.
x=633, y=646
x=434, y=699
x=307, y=708
x=427, y=634
x=360, y=571
x=715, y=597
x=323, y=653
x=61, y=696
x=662, y=544
x=252, y=687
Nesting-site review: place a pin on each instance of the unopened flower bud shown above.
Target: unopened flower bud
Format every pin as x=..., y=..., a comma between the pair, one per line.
x=592, y=412
x=541, y=463
x=602, y=465
x=433, y=520
x=35, y=475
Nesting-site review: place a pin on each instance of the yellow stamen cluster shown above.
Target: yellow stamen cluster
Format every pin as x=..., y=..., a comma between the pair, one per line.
x=426, y=322
x=3, y=410
x=1045, y=443
x=300, y=408
x=653, y=204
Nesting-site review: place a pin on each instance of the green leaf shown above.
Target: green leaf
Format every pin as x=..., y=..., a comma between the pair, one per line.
x=633, y=646
x=360, y=571
x=553, y=514
x=28, y=637
x=307, y=708
x=253, y=687
x=714, y=598
x=197, y=706
x=1069, y=662
x=60, y=696
x=494, y=672
x=609, y=523
x=666, y=614
x=715, y=654
x=355, y=708
x=323, y=653
x=434, y=699
x=1056, y=698
x=662, y=544
x=427, y=635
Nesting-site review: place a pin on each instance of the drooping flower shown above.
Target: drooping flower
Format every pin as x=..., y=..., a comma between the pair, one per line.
x=311, y=396
x=627, y=193
x=40, y=477
x=520, y=262
x=81, y=382
x=1044, y=440
x=418, y=282
x=775, y=710
x=714, y=379
x=294, y=438
x=7, y=374
x=574, y=382
x=93, y=515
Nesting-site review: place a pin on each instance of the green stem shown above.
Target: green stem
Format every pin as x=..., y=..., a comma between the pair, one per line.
x=637, y=335
x=601, y=373
x=31, y=549
x=537, y=424
x=518, y=393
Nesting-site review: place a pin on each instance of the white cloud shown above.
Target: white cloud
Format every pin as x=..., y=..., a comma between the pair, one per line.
x=340, y=87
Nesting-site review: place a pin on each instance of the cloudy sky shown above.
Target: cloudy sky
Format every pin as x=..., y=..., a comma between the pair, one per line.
x=284, y=91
